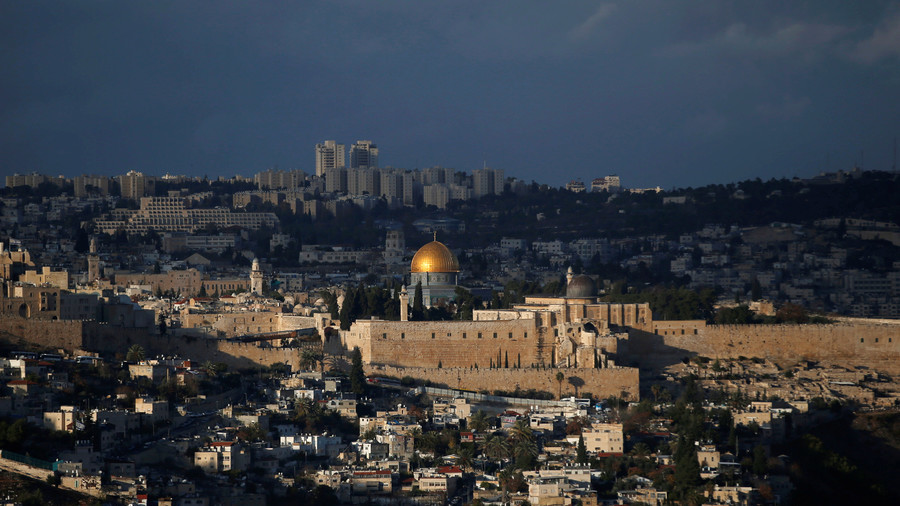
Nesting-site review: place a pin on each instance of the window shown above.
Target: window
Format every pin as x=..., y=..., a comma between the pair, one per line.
x=464, y=335
x=479, y=335
x=510, y=335
x=862, y=340
x=384, y=335
x=432, y=335
x=525, y=335
x=403, y=335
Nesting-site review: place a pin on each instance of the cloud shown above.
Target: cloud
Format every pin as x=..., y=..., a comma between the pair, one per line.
x=884, y=42
x=787, y=40
x=586, y=27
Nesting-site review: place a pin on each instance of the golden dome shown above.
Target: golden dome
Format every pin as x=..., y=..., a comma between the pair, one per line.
x=434, y=257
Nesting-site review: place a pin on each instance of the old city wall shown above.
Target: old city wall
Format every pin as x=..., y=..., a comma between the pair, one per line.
x=236, y=355
x=874, y=344
x=52, y=334
x=448, y=344
x=602, y=383
x=110, y=340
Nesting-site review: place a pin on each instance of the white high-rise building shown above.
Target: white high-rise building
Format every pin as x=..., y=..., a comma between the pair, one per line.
x=487, y=181
x=135, y=185
x=329, y=155
x=364, y=154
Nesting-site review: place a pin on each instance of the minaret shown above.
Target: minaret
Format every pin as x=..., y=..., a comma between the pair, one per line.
x=404, y=305
x=256, y=279
x=569, y=275
x=93, y=260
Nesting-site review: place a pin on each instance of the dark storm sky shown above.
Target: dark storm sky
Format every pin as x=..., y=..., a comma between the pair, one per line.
x=659, y=92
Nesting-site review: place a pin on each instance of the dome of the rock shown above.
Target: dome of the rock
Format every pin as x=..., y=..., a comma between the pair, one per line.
x=434, y=257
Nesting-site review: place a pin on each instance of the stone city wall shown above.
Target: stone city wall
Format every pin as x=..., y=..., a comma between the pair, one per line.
x=853, y=343
x=110, y=340
x=446, y=343
x=51, y=334
x=601, y=383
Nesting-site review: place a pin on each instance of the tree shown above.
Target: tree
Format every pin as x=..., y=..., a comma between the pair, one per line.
x=791, y=313
x=466, y=456
x=135, y=353
x=581, y=456
x=331, y=302
x=687, y=468
x=738, y=315
x=309, y=357
x=755, y=290
x=526, y=452
x=478, y=422
x=655, y=389
x=418, y=302
x=347, y=308
x=357, y=374
x=559, y=379
x=323, y=495
x=162, y=325
x=496, y=447
x=760, y=464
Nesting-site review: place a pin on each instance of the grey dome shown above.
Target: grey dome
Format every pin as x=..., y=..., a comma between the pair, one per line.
x=581, y=286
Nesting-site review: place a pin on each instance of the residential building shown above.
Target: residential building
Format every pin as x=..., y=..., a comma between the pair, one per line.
x=135, y=185
x=329, y=155
x=363, y=154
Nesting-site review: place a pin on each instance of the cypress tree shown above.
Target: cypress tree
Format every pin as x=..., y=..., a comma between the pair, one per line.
x=357, y=374
x=581, y=452
x=418, y=302
x=347, y=308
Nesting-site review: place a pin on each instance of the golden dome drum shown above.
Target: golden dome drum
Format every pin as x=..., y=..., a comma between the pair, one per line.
x=434, y=257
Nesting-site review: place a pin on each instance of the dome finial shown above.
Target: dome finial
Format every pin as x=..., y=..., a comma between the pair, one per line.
x=435, y=235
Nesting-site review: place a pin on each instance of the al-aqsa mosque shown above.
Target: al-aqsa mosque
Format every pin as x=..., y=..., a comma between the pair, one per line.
x=437, y=269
